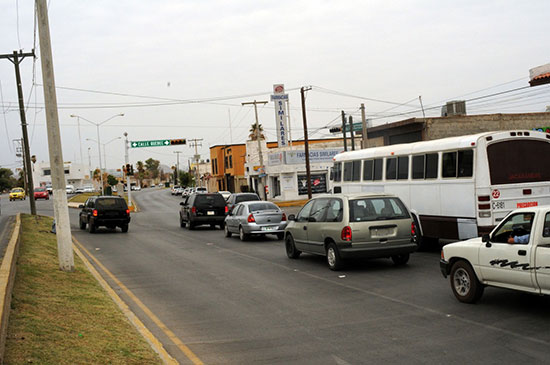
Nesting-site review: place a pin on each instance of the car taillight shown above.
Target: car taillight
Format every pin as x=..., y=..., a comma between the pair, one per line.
x=413, y=229
x=127, y=211
x=94, y=212
x=346, y=233
x=194, y=210
x=284, y=217
x=226, y=209
x=251, y=218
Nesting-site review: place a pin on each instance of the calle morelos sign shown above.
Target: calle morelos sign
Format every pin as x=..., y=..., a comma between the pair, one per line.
x=158, y=143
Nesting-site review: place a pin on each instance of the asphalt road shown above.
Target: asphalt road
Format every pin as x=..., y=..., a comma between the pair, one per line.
x=233, y=302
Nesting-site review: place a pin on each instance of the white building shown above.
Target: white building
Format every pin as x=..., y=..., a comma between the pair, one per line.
x=75, y=174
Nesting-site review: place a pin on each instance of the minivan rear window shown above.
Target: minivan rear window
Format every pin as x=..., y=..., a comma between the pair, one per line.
x=246, y=198
x=209, y=200
x=373, y=209
x=110, y=203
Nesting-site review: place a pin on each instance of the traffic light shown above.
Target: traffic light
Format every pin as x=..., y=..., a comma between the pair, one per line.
x=335, y=130
x=178, y=141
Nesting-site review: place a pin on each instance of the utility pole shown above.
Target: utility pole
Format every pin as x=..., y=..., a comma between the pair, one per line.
x=344, y=130
x=16, y=59
x=61, y=209
x=351, y=135
x=364, y=122
x=195, y=142
x=288, y=127
x=126, y=162
x=306, y=140
x=261, y=184
x=177, y=167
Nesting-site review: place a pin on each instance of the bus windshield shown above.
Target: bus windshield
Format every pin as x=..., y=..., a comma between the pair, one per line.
x=523, y=161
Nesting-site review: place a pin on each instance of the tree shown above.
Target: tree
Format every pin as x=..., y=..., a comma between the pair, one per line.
x=252, y=131
x=152, y=167
x=7, y=181
x=185, y=178
x=111, y=180
x=140, y=172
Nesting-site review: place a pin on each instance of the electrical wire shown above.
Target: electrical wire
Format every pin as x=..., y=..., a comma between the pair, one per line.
x=17, y=22
x=5, y=119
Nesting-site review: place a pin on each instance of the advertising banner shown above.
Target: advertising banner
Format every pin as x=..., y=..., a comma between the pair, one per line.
x=275, y=159
x=279, y=98
x=299, y=157
x=318, y=184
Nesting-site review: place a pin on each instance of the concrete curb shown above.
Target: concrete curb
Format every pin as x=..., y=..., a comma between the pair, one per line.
x=291, y=203
x=7, y=279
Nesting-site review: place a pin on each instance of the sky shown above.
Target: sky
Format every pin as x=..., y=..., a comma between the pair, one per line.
x=181, y=69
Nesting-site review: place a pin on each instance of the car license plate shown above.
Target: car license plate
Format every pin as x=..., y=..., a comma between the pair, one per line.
x=382, y=232
x=210, y=212
x=268, y=228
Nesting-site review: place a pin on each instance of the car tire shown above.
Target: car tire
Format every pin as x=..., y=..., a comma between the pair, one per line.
x=243, y=236
x=182, y=223
x=213, y=226
x=400, y=260
x=227, y=232
x=464, y=283
x=190, y=225
x=334, y=260
x=280, y=236
x=124, y=228
x=291, y=251
x=91, y=227
x=82, y=224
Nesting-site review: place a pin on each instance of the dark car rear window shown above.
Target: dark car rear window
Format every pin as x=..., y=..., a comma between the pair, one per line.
x=246, y=198
x=372, y=209
x=255, y=207
x=111, y=203
x=209, y=200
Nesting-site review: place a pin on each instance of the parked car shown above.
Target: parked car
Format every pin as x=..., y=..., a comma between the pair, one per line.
x=108, y=211
x=179, y=190
x=70, y=189
x=186, y=192
x=135, y=188
x=201, y=190
x=343, y=226
x=203, y=208
x=255, y=217
x=515, y=255
x=174, y=189
x=225, y=194
x=236, y=198
x=17, y=194
x=88, y=189
x=41, y=193
x=49, y=188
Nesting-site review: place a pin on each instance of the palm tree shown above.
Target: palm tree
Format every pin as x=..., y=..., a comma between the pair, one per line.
x=253, y=134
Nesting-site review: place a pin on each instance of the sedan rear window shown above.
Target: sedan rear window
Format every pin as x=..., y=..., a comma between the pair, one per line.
x=111, y=203
x=262, y=206
x=372, y=209
x=246, y=198
x=209, y=200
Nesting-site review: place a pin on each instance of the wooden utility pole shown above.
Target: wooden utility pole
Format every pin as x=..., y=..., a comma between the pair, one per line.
x=16, y=59
x=351, y=135
x=195, y=142
x=306, y=139
x=61, y=209
x=364, y=122
x=177, y=167
x=261, y=184
x=344, y=130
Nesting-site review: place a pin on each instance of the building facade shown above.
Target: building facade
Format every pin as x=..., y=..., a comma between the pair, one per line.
x=227, y=168
x=77, y=175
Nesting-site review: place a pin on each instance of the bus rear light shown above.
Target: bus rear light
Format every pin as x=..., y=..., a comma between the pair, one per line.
x=346, y=234
x=483, y=198
x=472, y=144
x=484, y=214
x=484, y=206
x=527, y=191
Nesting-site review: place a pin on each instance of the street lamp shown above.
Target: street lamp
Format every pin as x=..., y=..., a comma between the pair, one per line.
x=104, y=151
x=98, y=141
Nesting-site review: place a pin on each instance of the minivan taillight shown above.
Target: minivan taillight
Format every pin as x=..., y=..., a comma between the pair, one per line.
x=226, y=209
x=194, y=210
x=413, y=229
x=346, y=233
x=251, y=218
x=94, y=212
x=284, y=217
x=127, y=211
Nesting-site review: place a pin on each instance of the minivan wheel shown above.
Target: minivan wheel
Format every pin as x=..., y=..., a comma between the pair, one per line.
x=91, y=227
x=82, y=224
x=333, y=257
x=291, y=251
x=182, y=223
x=124, y=228
x=243, y=236
x=400, y=260
x=464, y=283
x=226, y=231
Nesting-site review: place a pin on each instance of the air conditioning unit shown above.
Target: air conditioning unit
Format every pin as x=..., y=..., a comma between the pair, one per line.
x=455, y=107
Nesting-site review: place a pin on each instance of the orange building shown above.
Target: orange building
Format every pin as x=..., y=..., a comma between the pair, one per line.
x=228, y=168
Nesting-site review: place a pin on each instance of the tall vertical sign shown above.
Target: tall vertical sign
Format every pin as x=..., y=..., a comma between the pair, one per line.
x=279, y=98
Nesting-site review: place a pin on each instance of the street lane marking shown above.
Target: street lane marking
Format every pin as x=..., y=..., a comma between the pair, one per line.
x=186, y=350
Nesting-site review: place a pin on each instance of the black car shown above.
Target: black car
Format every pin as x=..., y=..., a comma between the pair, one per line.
x=237, y=198
x=108, y=211
x=201, y=208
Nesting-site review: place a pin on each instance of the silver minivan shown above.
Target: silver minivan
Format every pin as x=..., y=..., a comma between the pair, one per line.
x=340, y=226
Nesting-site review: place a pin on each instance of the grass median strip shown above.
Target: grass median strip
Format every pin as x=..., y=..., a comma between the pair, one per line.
x=65, y=318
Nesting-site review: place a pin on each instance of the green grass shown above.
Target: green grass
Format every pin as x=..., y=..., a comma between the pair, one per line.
x=65, y=318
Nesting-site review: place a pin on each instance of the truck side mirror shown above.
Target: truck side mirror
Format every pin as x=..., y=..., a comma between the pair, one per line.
x=487, y=239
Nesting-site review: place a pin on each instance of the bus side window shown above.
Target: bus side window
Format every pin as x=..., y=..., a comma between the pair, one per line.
x=356, y=171
x=431, y=166
x=378, y=169
x=347, y=171
x=403, y=168
x=465, y=163
x=337, y=172
x=367, y=170
x=418, y=167
x=449, y=164
x=391, y=168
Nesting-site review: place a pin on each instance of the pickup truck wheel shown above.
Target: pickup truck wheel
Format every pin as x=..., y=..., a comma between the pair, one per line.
x=226, y=231
x=333, y=257
x=464, y=283
x=291, y=251
x=400, y=260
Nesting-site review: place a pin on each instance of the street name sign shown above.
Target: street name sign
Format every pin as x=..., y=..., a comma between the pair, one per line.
x=157, y=143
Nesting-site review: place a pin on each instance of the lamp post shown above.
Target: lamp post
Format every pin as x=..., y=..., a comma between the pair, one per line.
x=104, y=149
x=98, y=141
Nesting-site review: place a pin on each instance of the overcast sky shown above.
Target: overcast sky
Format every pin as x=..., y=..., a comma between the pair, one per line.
x=180, y=69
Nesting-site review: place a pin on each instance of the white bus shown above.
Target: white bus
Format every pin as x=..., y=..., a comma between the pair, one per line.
x=458, y=187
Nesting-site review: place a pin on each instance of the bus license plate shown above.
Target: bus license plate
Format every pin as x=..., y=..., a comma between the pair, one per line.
x=210, y=212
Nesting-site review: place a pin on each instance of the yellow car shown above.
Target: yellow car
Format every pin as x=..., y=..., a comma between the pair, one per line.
x=17, y=193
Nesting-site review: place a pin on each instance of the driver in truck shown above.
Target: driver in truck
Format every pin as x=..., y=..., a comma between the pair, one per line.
x=524, y=238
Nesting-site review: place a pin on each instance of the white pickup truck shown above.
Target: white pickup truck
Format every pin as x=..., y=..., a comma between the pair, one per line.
x=515, y=255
